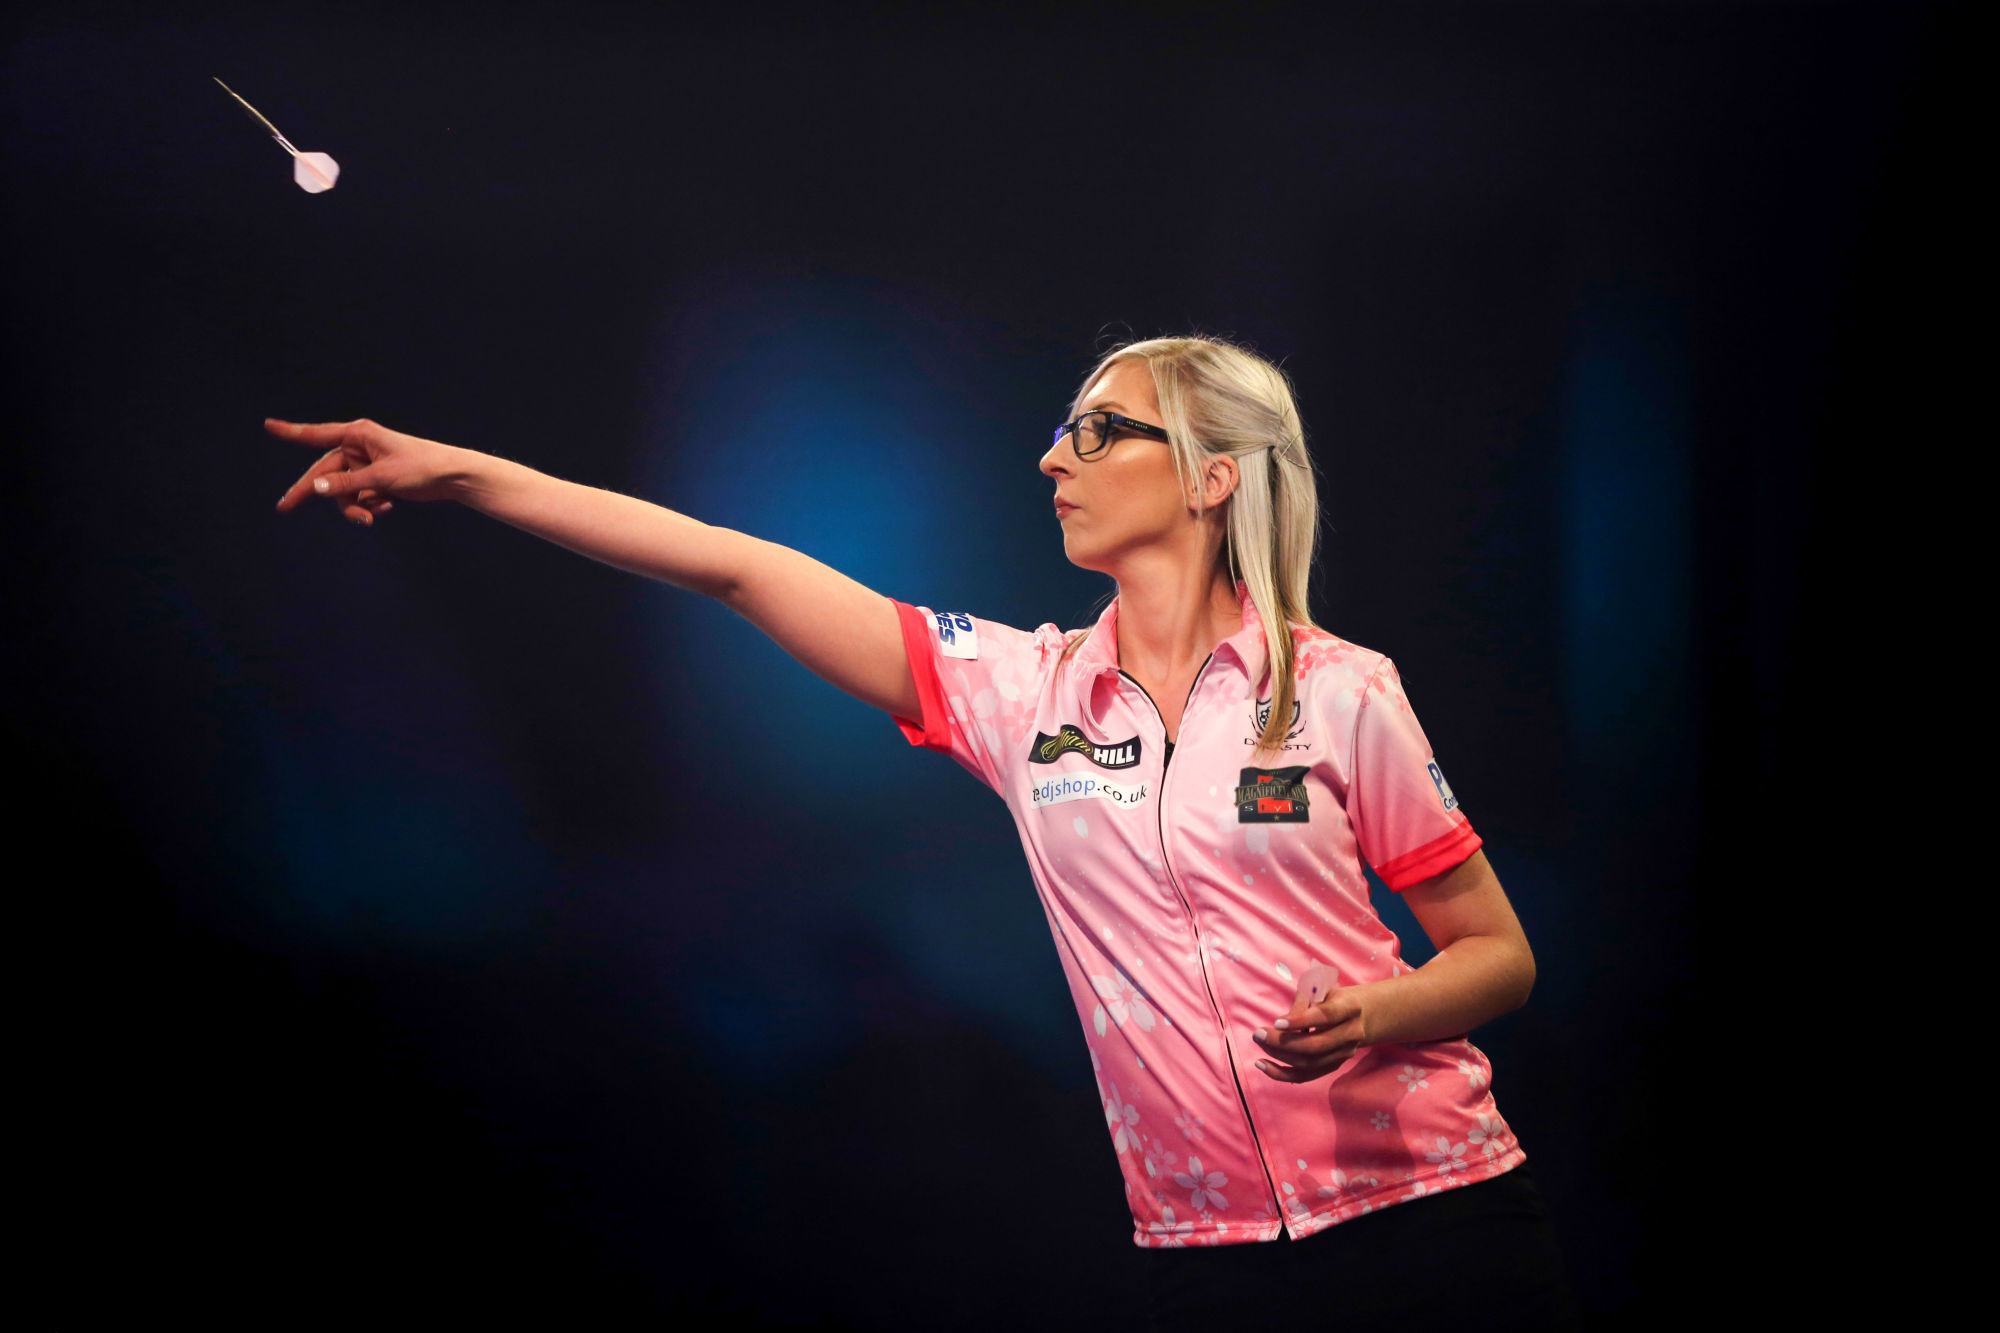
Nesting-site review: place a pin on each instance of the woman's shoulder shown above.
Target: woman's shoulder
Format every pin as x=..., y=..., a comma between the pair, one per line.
x=1321, y=656
x=974, y=643
x=1045, y=644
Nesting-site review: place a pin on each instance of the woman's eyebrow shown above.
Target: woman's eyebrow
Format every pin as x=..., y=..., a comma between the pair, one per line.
x=1107, y=403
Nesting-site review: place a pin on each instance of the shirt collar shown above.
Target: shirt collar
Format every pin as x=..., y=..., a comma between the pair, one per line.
x=1099, y=653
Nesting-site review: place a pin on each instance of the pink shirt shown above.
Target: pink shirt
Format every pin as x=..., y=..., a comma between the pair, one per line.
x=1187, y=896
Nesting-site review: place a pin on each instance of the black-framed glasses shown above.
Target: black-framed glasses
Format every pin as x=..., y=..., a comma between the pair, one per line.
x=1095, y=429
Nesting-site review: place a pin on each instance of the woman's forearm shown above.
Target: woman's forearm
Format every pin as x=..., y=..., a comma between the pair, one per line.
x=1472, y=981
x=619, y=530
x=848, y=634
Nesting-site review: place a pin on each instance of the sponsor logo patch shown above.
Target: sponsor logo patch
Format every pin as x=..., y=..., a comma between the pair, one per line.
x=1272, y=796
x=1444, y=788
x=1260, y=715
x=1084, y=786
x=955, y=631
x=1048, y=749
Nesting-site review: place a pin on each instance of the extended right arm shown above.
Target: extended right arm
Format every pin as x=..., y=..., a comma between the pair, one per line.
x=843, y=631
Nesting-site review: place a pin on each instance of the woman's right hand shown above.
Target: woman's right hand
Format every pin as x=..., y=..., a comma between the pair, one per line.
x=366, y=466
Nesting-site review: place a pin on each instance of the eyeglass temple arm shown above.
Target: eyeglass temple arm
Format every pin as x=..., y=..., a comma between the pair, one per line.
x=1120, y=419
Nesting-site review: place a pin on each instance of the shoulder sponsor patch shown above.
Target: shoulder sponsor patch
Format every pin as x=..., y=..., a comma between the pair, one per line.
x=1272, y=796
x=1048, y=749
x=1086, y=786
x=1444, y=788
x=957, y=635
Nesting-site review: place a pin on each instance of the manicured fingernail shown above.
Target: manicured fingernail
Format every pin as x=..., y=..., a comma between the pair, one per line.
x=1262, y=1035
x=321, y=484
x=1281, y=1025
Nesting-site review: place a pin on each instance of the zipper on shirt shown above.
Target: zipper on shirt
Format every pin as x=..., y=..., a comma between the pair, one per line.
x=1200, y=957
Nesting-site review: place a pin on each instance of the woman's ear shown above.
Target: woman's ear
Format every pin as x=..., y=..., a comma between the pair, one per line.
x=1218, y=483
x=1219, y=480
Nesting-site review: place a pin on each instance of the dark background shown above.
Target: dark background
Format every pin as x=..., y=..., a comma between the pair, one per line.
x=425, y=923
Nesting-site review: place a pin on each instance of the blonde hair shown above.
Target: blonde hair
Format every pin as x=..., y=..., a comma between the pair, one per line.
x=1216, y=399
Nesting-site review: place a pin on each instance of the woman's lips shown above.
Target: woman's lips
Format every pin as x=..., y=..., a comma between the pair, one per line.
x=1063, y=507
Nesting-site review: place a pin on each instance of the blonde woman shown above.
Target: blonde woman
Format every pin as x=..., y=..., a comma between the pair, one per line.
x=1289, y=1102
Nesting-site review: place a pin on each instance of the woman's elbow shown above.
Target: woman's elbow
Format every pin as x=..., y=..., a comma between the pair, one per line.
x=1526, y=974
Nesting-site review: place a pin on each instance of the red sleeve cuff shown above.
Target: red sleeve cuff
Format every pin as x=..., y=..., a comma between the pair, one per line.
x=931, y=732
x=1433, y=858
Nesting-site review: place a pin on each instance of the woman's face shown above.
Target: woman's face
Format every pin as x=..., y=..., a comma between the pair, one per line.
x=1126, y=496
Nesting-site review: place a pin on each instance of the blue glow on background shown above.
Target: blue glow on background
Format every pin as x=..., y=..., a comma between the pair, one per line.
x=799, y=412
x=372, y=848
x=773, y=1012
x=833, y=416
x=981, y=941
x=384, y=812
x=1628, y=577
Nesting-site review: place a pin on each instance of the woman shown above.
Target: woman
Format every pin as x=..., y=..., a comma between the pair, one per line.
x=1269, y=1066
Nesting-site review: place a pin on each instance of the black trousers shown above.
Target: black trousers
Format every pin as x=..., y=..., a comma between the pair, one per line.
x=1478, y=1256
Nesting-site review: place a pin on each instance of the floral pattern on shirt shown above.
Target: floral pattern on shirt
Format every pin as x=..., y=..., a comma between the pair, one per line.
x=1186, y=900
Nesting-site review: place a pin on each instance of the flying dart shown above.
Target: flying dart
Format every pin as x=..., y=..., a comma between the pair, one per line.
x=314, y=172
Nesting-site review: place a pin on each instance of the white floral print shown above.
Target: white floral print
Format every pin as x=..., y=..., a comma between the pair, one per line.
x=1490, y=1135
x=1121, y=1117
x=1354, y=1184
x=1167, y=1233
x=1307, y=899
x=1450, y=1157
x=1122, y=1000
x=1313, y=1224
x=1206, y=1186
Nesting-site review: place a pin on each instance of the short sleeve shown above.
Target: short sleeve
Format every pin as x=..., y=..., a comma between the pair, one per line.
x=977, y=684
x=1404, y=814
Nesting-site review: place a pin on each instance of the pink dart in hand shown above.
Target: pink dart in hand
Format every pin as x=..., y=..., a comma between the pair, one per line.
x=314, y=172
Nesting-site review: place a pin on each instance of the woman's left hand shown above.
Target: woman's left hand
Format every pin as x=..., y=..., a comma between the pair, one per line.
x=1321, y=1032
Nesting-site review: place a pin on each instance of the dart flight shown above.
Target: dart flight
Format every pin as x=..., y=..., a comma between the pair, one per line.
x=315, y=172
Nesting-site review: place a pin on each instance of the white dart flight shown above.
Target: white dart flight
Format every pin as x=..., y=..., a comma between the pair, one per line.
x=314, y=172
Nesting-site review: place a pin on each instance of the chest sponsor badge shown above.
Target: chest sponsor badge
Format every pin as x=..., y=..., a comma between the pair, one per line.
x=1444, y=788
x=1272, y=796
x=1086, y=786
x=956, y=633
x=1048, y=749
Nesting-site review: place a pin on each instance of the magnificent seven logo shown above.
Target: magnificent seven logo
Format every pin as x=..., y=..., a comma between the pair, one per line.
x=1048, y=749
x=1272, y=796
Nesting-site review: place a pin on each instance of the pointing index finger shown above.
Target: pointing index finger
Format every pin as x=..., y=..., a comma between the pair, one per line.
x=312, y=435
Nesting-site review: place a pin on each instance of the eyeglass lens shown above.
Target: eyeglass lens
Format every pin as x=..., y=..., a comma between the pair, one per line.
x=1091, y=431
